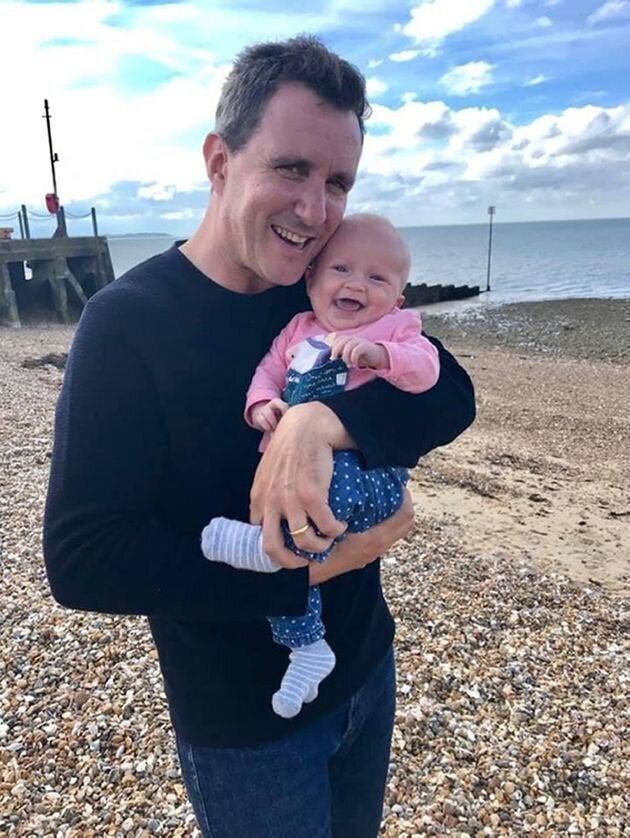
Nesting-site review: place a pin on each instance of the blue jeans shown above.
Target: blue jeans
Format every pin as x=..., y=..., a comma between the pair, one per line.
x=325, y=781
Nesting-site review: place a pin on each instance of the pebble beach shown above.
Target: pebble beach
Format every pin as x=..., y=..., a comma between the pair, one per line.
x=511, y=601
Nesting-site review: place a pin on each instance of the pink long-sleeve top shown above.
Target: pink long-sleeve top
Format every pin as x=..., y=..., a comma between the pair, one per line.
x=413, y=359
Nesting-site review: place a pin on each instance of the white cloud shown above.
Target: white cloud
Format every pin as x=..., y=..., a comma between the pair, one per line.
x=543, y=22
x=437, y=159
x=99, y=123
x=610, y=9
x=409, y=96
x=376, y=87
x=374, y=62
x=467, y=78
x=434, y=20
x=405, y=55
x=180, y=215
x=157, y=192
x=132, y=90
x=535, y=80
x=513, y=4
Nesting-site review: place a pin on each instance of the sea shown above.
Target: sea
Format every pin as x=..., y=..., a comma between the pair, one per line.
x=540, y=260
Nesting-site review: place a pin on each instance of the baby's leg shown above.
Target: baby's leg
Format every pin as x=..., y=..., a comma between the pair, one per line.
x=362, y=499
x=311, y=659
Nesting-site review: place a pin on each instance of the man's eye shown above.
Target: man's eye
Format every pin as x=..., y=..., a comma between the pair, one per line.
x=287, y=170
x=338, y=186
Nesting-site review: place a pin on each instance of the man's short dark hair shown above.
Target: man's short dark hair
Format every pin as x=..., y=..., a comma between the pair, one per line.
x=259, y=71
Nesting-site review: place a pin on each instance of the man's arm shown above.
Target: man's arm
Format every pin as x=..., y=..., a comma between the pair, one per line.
x=394, y=428
x=106, y=545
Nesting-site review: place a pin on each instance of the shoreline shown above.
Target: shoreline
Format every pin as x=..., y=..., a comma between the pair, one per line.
x=579, y=328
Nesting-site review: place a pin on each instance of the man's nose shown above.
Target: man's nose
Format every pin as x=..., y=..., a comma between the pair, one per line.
x=311, y=204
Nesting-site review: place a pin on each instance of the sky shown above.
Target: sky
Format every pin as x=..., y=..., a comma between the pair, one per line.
x=521, y=104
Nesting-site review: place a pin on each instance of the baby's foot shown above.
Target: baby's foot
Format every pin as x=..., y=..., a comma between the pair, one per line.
x=308, y=667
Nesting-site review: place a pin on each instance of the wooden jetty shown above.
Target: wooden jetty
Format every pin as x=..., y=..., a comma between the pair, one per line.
x=420, y=295
x=65, y=272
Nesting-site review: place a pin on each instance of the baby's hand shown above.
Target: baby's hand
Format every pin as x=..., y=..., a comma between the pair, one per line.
x=266, y=415
x=359, y=352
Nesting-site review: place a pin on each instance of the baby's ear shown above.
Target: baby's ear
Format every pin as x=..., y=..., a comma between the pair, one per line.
x=308, y=273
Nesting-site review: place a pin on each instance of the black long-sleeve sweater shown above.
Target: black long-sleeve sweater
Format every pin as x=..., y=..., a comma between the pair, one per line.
x=150, y=444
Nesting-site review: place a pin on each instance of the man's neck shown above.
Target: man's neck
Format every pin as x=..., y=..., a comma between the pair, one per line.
x=207, y=256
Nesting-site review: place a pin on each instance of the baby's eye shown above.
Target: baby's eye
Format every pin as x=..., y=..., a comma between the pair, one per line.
x=340, y=269
x=377, y=278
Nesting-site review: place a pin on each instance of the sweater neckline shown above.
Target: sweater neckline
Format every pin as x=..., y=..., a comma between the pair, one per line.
x=191, y=271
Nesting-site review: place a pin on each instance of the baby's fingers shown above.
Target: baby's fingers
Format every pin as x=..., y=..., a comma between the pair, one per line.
x=268, y=421
x=339, y=346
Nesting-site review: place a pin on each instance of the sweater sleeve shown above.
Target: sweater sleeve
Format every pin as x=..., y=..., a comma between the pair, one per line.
x=414, y=363
x=106, y=545
x=392, y=427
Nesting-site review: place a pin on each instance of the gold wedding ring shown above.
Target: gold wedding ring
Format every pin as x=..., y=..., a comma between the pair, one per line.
x=300, y=530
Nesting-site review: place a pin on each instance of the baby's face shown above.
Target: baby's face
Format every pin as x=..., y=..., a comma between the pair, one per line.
x=359, y=276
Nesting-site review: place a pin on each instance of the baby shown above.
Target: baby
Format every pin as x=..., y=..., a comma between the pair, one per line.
x=355, y=332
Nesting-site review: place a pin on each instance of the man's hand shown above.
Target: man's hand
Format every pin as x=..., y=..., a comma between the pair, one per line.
x=358, y=550
x=266, y=415
x=359, y=352
x=293, y=479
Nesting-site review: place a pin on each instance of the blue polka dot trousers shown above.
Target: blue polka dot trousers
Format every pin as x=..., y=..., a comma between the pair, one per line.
x=361, y=498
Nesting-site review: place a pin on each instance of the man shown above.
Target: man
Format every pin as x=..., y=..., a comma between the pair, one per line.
x=150, y=444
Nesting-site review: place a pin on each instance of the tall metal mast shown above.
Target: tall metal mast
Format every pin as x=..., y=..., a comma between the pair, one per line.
x=53, y=156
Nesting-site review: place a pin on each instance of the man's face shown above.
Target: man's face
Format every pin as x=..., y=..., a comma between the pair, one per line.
x=283, y=194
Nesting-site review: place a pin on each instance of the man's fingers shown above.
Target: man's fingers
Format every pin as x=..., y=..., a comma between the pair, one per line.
x=273, y=545
x=323, y=520
x=302, y=529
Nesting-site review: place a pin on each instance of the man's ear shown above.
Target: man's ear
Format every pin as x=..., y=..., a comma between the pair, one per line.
x=215, y=153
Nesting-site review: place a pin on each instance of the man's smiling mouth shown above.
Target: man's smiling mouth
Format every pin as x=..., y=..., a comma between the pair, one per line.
x=292, y=238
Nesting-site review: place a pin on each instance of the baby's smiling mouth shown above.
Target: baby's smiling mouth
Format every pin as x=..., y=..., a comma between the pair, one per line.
x=290, y=237
x=348, y=304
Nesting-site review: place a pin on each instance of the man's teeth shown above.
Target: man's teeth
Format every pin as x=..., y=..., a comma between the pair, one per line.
x=289, y=236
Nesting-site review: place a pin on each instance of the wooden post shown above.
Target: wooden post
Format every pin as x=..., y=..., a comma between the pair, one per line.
x=25, y=218
x=8, y=306
x=22, y=234
x=94, y=222
x=62, y=229
x=58, y=290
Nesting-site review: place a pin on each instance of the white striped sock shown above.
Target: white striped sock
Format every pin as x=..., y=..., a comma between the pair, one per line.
x=308, y=667
x=237, y=544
